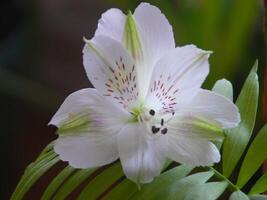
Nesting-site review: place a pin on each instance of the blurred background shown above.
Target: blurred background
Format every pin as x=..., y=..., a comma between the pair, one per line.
x=41, y=60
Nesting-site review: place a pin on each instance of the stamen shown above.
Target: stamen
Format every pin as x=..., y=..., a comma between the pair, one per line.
x=152, y=112
x=155, y=129
x=164, y=131
x=162, y=122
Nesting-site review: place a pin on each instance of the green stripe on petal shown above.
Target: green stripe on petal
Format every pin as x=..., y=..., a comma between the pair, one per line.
x=131, y=38
x=74, y=123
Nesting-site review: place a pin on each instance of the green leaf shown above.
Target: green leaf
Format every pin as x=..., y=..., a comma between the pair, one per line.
x=151, y=190
x=237, y=138
x=57, y=182
x=258, y=197
x=73, y=182
x=124, y=189
x=182, y=187
x=260, y=186
x=254, y=157
x=224, y=87
x=101, y=182
x=238, y=195
x=33, y=172
x=207, y=191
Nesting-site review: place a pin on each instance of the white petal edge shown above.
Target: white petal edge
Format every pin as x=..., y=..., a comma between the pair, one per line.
x=111, y=24
x=87, y=151
x=214, y=107
x=142, y=159
x=85, y=102
x=155, y=31
x=156, y=38
x=196, y=152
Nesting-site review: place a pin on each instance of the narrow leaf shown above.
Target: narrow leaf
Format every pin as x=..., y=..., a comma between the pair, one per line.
x=254, y=157
x=258, y=197
x=101, y=182
x=182, y=187
x=225, y=88
x=237, y=138
x=33, y=172
x=207, y=191
x=72, y=183
x=57, y=182
x=260, y=186
x=151, y=190
x=126, y=188
x=238, y=195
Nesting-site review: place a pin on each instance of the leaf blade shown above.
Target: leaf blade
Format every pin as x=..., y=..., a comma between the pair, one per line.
x=33, y=172
x=152, y=190
x=254, y=157
x=238, y=195
x=72, y=183
x=101, y=182
x=207, y=191
x=224, y=87
x=260, y=186
x=57, y=182
x=238, y=138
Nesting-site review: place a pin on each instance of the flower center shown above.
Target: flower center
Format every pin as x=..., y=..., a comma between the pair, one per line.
x=155, y=122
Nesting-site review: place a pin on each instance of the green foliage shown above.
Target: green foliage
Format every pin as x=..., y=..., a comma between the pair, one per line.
x=56, y=182
x=260, y=186
x=72, y=182
x=238, y=195
x=101, y=182
x=157, y=187
x=224, y=87
x=175, y=183
x=254, y=157
x=258, y=197
x=207, y=191
x=33, y=172
x=237, y=138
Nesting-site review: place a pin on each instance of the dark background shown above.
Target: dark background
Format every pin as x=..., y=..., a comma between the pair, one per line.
x=41, y=60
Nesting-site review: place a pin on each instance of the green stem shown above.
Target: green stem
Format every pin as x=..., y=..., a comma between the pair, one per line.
x=221, y=177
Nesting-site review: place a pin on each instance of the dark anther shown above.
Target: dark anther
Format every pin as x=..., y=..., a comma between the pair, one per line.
x=152, y=112
x=173, y=113
x=155, y=129
x=164, y=131
x=162, y=122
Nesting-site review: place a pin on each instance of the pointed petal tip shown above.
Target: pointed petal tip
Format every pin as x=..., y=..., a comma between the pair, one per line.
x=129, y=13
x=85, y=39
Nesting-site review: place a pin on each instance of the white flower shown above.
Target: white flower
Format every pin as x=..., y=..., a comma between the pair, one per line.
x=147, y=105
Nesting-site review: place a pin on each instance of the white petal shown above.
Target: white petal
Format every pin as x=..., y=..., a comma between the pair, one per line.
x=111, y=70
x=215, y=108
x=155, y=30
x=142, y=158
x=196, y=152
x=85, y=111
x=177, y=76
x=156, y=38
x=87, y=151
x=195, y=127
x=87, y=127
x=111, y=24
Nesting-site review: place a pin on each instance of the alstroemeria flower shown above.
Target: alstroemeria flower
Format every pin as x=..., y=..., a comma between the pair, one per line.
x=147, y=104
